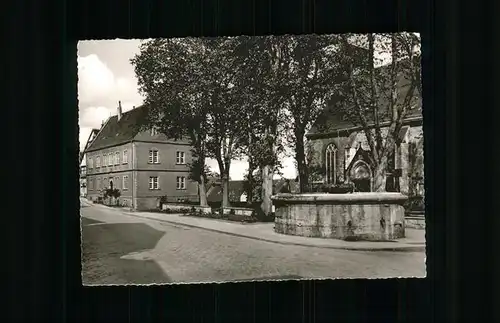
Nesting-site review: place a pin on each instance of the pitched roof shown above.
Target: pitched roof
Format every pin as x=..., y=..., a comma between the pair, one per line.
x=331, y=119
x=93, y=133
x=116, y=131
x=237, y=188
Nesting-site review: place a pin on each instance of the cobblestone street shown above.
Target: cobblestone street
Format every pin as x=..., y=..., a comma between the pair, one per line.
x=121, y=249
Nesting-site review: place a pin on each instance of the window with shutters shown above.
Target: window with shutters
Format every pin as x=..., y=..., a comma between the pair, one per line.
x=154, y=183
x=181, y=182
x=180, y=157
x=154, y=156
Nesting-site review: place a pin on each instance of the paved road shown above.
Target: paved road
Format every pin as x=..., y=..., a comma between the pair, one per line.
x=120, y=249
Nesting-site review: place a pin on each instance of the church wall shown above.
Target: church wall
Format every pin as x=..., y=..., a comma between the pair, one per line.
x=318, y=156
x=411, y=156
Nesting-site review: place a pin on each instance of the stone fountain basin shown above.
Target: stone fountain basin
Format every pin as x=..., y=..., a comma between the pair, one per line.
x=355, y=216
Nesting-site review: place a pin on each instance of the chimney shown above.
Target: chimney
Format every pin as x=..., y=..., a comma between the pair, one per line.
x=119, y=110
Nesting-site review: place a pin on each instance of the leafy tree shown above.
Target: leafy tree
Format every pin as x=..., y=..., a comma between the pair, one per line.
x=378, y=99
x=262, y=62
x=171, y=75
x=189, y=88
x=226, y=127
x=313, y=68
x=111, y=193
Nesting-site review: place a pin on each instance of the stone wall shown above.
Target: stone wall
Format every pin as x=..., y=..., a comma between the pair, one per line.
x=238, y=211
x=360, y=216
x=186, y=208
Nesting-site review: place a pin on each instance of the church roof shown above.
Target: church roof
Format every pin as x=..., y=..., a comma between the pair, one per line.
x=332, y=120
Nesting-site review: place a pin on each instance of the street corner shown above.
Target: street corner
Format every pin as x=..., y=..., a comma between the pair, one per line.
x=139, y=255
x=87, y=221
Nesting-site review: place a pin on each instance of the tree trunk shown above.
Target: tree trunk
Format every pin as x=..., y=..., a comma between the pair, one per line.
x=267, y=190
x=379, y=175
x=250, y=170
x=300, y=157
x=251, y=181
x=225, y=187
x=202, y=192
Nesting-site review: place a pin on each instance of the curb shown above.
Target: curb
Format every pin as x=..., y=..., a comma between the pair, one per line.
x=399, y=249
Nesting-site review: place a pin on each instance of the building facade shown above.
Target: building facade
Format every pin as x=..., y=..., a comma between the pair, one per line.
x=144, y=165
x=339, y=152
x=83, y=163
x=343, y=157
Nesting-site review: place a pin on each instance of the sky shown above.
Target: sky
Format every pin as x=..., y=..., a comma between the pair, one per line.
x=106, y=76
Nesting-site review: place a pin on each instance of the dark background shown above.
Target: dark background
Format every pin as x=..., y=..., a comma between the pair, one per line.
x=40, y=209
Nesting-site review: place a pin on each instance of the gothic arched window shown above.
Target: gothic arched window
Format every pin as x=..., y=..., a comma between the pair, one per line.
x=331, y=164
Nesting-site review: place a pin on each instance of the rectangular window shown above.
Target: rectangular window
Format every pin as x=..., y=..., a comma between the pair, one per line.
x=90, y=163
x=98, y=183
x=105, y=182
x=180, y=157
x=125, y=182
x=98, y=162
x=153, y=183
x=125, y=156
x=90, y=184
x=181, y=182
x=116, y=182
x=117, y=158
x=153, y=156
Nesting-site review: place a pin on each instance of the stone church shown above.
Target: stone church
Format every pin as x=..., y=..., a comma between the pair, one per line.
x=339, y=153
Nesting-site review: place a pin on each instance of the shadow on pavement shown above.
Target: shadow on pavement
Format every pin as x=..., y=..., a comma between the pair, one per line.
x=87, y=221
x=103, y=245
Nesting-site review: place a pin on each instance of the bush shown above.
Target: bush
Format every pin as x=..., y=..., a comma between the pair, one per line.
x=111, y=192
x=260, y=216
x=241, y=218
x=342, y=188
x=415, y=203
